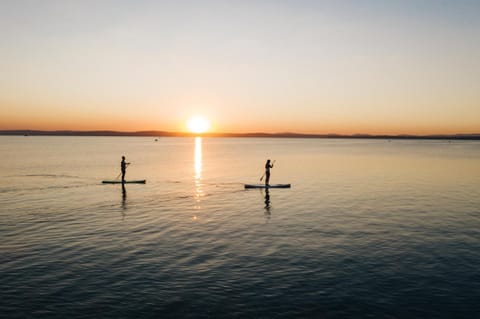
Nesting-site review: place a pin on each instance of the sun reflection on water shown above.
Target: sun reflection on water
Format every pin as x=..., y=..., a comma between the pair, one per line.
x=198, y=173
x=198, y=159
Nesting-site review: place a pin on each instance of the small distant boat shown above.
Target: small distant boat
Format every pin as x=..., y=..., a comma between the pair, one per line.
x=141, y=181
x=267, y=186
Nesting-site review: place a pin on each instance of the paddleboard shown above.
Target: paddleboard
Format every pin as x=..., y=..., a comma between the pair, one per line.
x=142, y=181
x=265, y=186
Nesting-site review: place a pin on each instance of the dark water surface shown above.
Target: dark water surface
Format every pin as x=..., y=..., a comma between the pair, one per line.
x=369, y=229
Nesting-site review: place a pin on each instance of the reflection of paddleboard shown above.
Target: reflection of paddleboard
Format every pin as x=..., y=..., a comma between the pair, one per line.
x=142, y=181
x=269, y=186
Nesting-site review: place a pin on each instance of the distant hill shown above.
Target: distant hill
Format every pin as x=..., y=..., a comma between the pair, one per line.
x=257, y=134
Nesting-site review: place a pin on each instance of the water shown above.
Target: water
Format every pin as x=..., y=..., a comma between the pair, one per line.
x=369, y=229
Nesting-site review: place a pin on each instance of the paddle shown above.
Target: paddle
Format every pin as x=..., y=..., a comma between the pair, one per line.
x=261, y=178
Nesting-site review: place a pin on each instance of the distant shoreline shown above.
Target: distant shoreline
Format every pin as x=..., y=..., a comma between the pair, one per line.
x=475, y=136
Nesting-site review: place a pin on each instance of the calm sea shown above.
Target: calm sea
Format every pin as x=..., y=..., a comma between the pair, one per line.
x=369, y=229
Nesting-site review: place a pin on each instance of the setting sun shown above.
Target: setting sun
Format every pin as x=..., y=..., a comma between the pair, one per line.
x=198, y=124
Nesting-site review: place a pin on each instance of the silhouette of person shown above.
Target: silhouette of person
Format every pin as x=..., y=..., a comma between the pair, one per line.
x=267, y=172
x=123, y=166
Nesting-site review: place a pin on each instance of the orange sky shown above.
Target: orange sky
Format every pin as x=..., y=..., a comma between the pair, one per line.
x=308, y=67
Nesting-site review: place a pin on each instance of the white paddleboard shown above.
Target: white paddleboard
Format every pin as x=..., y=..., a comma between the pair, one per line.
x=267, y=186
x=141, y=181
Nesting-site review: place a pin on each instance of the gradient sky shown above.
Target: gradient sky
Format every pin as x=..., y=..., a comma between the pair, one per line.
x=272, y=66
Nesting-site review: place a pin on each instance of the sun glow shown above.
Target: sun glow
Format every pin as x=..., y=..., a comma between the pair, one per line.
x=198, y=125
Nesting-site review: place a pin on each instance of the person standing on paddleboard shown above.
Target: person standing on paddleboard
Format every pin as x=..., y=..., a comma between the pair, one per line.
x=267, y=172
x=123, y=166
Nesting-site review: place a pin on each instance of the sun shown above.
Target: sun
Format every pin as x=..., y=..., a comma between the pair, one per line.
x=198, y=124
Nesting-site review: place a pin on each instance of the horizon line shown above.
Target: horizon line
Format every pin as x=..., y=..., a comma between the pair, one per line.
x=155, y=133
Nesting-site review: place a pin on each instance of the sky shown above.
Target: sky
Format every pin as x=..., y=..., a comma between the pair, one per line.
x=346, y=67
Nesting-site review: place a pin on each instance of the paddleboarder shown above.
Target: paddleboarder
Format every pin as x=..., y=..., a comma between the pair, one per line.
x=123, y=166
x=267, y=172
